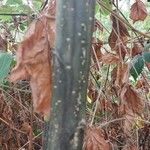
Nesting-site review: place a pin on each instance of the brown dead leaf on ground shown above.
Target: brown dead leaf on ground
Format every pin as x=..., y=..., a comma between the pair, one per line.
x=95, y=139
x=130, y=99
x=109, y=58
x=138, y=11
x=33, y=60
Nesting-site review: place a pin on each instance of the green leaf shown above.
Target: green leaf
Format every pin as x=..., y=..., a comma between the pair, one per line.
x=146, y=56
x=14, y=2
x=5, y=63
x=137, y=66
x=22, y=27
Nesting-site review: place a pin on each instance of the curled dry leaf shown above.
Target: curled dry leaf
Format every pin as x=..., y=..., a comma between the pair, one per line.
x=119, y=28
x=118, y=37
x=137, y=49
x=120, y=74
x=142, y=83
x=95, y=139
x=109, y=58
x=138, y=11
x=33, y=61
x=130, y=99
x=115, y=40
x=121, y=47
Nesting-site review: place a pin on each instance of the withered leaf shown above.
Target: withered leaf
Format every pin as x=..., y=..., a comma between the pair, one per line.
x=118, y=43
x=33, y=61
x=119, y=28
x=118, y=37
x=122, y=74
x=95, y=139
x=130, y=99
x=137, y=49
x=106, y=104
x=112, y=39
x=138, y=11
x=129, y=121
x=109, y=58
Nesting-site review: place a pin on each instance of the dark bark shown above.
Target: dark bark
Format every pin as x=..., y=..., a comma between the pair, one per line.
x=71, y=61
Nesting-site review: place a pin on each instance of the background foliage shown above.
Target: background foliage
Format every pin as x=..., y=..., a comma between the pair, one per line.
x=118, y=92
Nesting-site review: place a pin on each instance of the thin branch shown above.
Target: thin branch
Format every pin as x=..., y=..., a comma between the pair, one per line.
x=122, y=20
x=16, y=14
x=13, y=128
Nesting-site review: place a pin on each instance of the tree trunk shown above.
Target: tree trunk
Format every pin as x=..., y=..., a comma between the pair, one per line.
x=71, y=61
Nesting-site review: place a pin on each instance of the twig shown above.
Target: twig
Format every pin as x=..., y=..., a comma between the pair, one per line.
x=29, y=141
x=122, y=20
x=111, y=121
x=11, y=126
x=21, y=104
x=5, y=14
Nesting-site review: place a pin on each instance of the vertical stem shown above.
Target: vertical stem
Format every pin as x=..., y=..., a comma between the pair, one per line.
x=71, y=60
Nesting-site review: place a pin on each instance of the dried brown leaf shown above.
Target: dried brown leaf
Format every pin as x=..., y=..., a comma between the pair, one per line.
x=130, y=99
x=137, y=49
x=120, y=74
x=138, y=11
x=118, y=37
x=140, y=83
x=129, y=121
x=112, y=39
x=95, y=139
x=121, y=48
x=109, y=58
x=118, y=44
x=106, y=104
x=119, y=28
x=33, y=61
